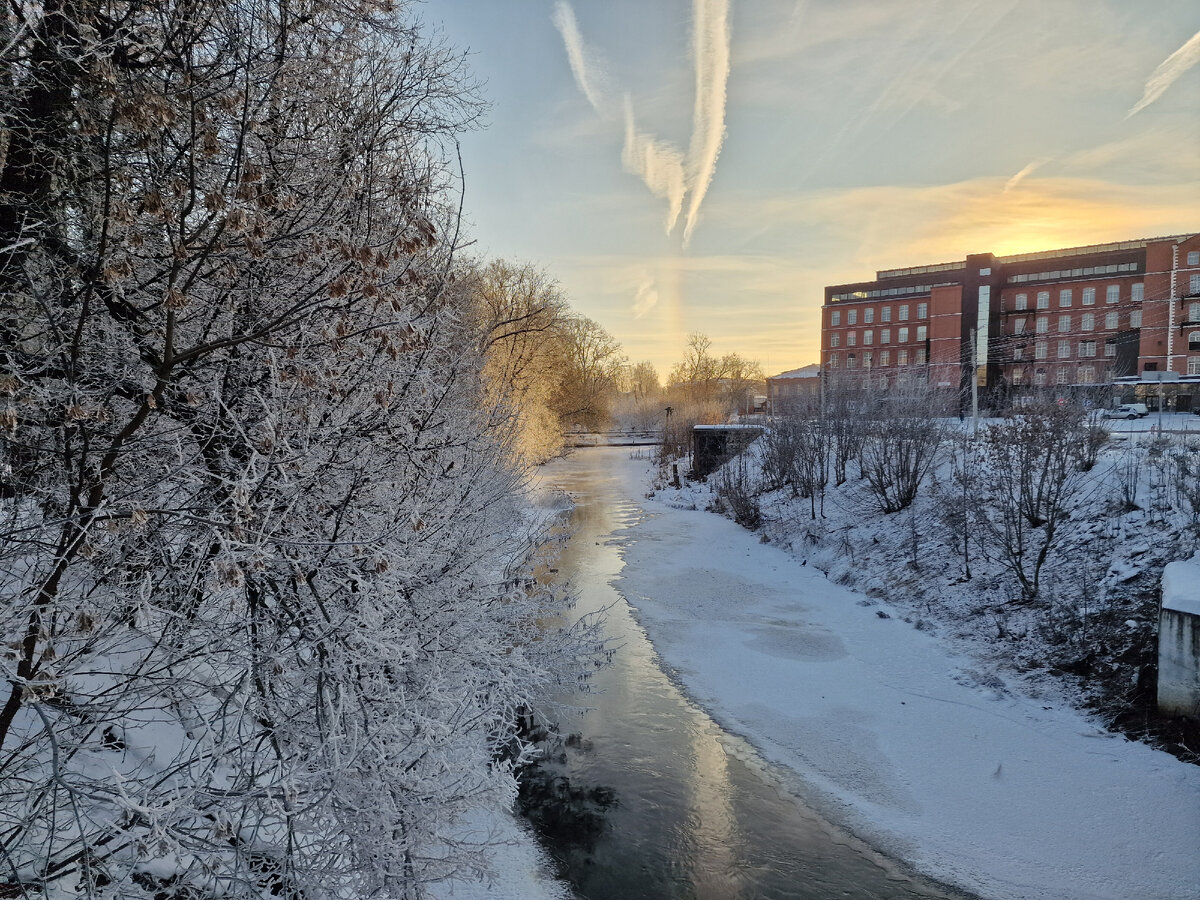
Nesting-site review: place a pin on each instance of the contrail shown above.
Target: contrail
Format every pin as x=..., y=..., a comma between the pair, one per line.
x=1025, y=173
x=588, y=74
x=710, y=49
x=1168, y=73
x=658, y=163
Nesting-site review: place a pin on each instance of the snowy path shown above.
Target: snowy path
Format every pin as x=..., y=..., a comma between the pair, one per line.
x=900, y=740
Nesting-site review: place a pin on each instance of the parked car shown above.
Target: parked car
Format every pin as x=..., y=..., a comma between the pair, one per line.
x=1128, y=411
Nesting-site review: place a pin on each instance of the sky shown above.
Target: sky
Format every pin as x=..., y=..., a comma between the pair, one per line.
x=710, y=166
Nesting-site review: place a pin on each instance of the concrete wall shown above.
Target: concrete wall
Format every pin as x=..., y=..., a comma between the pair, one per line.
x=1178, y=663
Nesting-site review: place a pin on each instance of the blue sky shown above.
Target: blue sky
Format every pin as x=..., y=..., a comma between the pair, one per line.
x=790, y=145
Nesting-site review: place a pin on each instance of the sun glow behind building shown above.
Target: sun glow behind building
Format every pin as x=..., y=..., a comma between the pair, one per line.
x=799, y=144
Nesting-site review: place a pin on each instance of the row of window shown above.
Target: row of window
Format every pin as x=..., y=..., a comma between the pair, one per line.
x=885, y=336
x=1087, y=349
x=885, y=314
x=869, y=359
x=1087, y=322
x=883, y=292
x=1076, y=273
x=1087, y=296
x=1084, y=374
x=1063, y=375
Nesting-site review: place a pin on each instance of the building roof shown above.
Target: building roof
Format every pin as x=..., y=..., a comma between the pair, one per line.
x=809, y=371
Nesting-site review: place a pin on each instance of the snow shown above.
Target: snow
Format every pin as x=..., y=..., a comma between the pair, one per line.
x=520, y=868
x=1181, y=586
x=915, y=748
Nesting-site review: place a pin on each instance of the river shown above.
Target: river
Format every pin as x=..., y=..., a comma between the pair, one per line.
x=683, y=809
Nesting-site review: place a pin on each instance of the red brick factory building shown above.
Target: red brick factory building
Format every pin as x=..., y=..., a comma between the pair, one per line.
x=1070, y=320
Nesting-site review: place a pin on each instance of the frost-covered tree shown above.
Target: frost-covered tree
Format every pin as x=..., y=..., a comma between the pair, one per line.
x=1033, y=477
x=519, y=314
x=591, y=362
x=264, y=619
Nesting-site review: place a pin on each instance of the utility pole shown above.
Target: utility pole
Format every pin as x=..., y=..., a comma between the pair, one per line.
x=974, y=385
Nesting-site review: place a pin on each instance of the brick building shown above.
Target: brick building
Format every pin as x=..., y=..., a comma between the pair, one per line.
x=794, y=387
x=1073, y=318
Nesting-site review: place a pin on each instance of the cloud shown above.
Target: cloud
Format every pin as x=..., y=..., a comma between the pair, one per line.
x=1168, y=72
x=588, y=71
x=658, y=163
x=710, y=52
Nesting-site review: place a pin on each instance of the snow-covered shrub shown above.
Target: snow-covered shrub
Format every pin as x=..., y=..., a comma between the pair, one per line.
x=897, y=454
x=737, y=488
x=1034, y=476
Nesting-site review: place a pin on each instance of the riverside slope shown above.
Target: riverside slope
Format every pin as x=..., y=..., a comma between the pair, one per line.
x=905, y=743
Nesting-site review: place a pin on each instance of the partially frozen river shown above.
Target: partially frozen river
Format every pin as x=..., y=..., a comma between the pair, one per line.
x=697, y=812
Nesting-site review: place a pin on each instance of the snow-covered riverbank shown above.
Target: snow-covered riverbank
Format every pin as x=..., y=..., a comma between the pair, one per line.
x=909, y=745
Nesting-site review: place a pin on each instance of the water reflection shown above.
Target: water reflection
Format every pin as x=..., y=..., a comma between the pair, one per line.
x=694, y=812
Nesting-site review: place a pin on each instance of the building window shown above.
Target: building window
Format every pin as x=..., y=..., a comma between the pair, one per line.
x=920, y=356
x=868, y=337
x=1019, y=326
x=885, y=314
x=1018, y=353
x=1194, y=284
x=1064, y=349
x=922, y=310
x=986, y=271
x=1111, y=320
x=1193, y=258
x=868, y=315
x=1039, y=377
x=851, y=338
x=902, y=357
x=835, y=340
x=1061, y=376
x=1089, y=296
x=1087, y=374
x=1087, y=322
x=1042, y=325
x=867, y=357
x=1194, y=340
x=902, y=335
x=835, y=317
x=1018, y=376
x=1064, y=323
x=1194, y=312
x=1064, y=297
x=1110, y=348
x=1193, y=365
x=833, y=360
x=1087, y=348
x=884, y=357
x=1135, y=318
x=1022, y=301
x=1039, y=350
x=852, y=317
x=921, y=332
x=903, y=312
x=1112, y=293
x=885, y=335
x=851, y=361
x=1043, y=300
x=1139, y=292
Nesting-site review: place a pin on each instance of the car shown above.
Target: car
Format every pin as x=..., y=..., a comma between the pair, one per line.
x=1127, y=411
